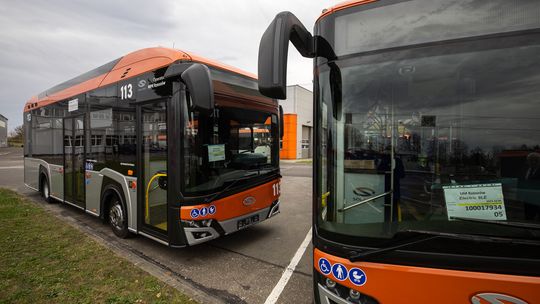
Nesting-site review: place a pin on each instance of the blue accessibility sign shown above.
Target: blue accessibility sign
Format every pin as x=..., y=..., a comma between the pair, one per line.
x=194, y=213
x=212, y=209
x=324, y=266
x=339, y=271
x=357, y=276
x=204, y=211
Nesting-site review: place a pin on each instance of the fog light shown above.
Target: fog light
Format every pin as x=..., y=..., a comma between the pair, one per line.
x=355, y=295
x=330, y=283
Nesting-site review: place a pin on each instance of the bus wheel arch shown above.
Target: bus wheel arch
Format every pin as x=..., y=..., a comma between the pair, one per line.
x=114, y=209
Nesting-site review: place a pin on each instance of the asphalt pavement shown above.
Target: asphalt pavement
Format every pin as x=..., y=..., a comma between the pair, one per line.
x=243, y=267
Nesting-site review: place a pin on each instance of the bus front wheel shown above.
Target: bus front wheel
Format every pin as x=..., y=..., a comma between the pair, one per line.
x=45, y=190
x=118, y=217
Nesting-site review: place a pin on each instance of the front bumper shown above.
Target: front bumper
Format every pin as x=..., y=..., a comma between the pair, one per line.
x=198, y=235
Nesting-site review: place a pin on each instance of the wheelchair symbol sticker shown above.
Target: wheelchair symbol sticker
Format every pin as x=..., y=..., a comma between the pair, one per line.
x=324, y=266
x=194, y=213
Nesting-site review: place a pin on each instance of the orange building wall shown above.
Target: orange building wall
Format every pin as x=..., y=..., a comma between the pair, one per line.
x=288, y=150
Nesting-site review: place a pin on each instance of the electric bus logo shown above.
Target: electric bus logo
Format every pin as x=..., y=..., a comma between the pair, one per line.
x=495, y=298
x=363, y=191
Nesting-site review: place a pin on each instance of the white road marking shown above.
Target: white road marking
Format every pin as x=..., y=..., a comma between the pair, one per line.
x=278, y=289
x=12, y=167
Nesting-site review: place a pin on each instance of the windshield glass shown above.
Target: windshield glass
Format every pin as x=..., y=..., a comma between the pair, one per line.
x=421, y=137
x=229, y=144
x=394, y=23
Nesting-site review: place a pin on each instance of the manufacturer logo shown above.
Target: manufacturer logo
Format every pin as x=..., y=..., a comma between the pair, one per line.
x=248, y=201
x=363, y=191
x=141, y=83
x=495, y=298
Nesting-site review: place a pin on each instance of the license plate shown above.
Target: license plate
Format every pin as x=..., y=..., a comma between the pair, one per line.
x=248, y=221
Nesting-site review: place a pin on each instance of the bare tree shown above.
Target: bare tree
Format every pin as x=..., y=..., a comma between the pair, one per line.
x=17, y=134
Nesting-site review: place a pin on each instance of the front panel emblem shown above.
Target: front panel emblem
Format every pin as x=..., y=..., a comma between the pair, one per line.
x=248, y=201
x=495, y=298
x=142, y=83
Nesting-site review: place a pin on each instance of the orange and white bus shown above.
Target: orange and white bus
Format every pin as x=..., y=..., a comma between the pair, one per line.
x=427, y=163
x=155, y=143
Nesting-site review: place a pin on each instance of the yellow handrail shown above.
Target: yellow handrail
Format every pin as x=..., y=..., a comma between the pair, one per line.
x=146, y=207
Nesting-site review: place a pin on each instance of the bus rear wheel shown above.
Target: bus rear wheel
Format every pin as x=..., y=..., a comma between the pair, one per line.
x=118, y=218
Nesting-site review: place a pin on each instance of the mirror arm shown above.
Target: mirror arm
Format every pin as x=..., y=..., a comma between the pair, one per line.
x=273, y=51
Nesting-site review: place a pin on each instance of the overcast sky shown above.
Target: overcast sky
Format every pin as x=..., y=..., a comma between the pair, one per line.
x=43, y=43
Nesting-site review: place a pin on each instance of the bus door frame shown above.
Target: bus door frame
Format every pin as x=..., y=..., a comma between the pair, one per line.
x=74, y=186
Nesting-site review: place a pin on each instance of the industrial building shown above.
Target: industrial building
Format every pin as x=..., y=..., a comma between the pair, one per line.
x=298, y=123
x=3, y=131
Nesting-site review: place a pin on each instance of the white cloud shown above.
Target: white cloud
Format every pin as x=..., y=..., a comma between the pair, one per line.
x=43, y=43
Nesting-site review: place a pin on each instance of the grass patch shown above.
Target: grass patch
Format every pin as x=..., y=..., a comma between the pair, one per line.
x=44, y=260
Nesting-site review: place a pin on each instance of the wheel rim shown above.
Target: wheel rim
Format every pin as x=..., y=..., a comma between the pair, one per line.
x=116, y=216
x=46, y=190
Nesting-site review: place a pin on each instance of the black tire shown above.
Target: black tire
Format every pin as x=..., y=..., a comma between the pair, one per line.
x=46, y=190
x=118, y=217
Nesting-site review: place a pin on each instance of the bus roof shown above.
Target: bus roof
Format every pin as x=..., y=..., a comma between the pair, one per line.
x=343, y=5
x=130, y=65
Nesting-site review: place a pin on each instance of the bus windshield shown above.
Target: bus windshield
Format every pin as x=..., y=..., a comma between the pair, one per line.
x=443, y=138
x=227, y=145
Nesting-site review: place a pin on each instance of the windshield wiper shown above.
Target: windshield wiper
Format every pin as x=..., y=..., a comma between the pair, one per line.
x=355, y=256
x=501, y=223
x=234, y=182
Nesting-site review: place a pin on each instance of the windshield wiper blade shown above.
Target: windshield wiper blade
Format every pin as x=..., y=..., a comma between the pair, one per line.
x=234, y=182
x=435, y=235
x=501, y=223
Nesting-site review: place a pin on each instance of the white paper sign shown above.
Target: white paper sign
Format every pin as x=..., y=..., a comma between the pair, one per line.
x=216, y=153
x=480, y=201
x=73, y=105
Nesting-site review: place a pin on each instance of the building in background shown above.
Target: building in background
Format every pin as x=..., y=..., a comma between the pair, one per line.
x=298, y=121
x=3, y=131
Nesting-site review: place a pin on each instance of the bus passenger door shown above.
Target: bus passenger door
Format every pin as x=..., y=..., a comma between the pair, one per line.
x=74, y=160
x=152, y=197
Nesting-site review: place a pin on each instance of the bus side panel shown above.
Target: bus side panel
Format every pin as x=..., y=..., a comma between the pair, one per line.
x=94, y=181
x=409, y=284
x=31, y=172
x=56, y=174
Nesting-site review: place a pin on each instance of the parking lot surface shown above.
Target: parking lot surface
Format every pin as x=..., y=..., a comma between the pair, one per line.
x=243, y=267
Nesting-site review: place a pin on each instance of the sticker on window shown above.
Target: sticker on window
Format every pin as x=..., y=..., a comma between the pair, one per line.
x=479, y=201
x=216, y=153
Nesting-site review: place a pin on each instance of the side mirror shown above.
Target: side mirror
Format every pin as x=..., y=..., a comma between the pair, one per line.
x=197, y=79
x=281, y=123
x=273, y=50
